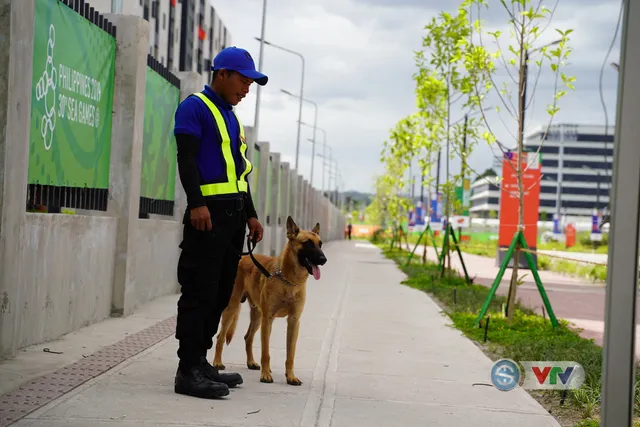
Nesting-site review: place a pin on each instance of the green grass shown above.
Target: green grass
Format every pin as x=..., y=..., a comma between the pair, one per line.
x=484, y=246
x=527, y=337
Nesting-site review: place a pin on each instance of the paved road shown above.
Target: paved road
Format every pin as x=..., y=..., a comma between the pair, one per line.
x=580, y=256
x=371, y=352
x=578, y=301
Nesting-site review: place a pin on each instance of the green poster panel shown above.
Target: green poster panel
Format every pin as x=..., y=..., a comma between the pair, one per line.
x=158, y=177
x=72, y=99
x=462, y=202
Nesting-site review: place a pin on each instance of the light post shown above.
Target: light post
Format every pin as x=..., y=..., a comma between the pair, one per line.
x=256, y=120
x=315, y=122
x=598, y=185
x=619, y=341
x=328, y=161
x=324, y=152
x=262, y=40
x=332, y=174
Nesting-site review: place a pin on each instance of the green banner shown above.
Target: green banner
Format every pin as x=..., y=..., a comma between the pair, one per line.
x=72, y=99
x=158, y=180
x=463, y=199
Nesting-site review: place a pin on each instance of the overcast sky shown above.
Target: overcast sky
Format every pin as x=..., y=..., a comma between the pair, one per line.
x=359, y=65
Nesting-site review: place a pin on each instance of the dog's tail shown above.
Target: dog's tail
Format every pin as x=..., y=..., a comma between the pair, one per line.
x=232, y=327
x=238, y=296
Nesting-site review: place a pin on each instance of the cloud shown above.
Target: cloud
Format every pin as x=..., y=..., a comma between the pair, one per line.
x=359, y=63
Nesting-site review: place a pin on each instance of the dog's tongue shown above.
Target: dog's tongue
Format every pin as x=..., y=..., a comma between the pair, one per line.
x=316, y=272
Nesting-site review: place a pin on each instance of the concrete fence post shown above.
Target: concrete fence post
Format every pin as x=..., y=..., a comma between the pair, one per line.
x=305, y=203
x=274, y=209
x=300, y=201
x=261, y=206
x=16, y=70
x=189, y=84
x=294, y=194
x=285, y=201
x=132, y=41
x=293, y=200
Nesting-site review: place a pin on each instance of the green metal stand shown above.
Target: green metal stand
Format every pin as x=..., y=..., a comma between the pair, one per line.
x=464, y=267
x=393, y=238
x=518, y=237
x=433, y=239
x=445, y=248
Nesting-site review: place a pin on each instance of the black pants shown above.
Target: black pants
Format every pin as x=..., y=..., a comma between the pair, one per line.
x=207, y=270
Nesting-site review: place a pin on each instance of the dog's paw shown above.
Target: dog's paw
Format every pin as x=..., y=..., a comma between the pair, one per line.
x=219, y=366
x=253, y=366
x=266, y=378
x=294, y=381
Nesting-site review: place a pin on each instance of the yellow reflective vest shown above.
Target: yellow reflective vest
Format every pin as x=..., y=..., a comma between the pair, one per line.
x=234, y=183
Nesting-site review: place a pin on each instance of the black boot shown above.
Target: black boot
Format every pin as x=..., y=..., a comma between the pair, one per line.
x=195, y=382
x=231, y=380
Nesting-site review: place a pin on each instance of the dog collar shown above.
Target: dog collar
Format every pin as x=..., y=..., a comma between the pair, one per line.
x=278, y=273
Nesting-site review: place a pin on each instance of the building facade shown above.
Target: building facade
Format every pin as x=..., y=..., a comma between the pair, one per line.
x=576, y=171
x=485, y=198
x=185, y=34
x=576, y=167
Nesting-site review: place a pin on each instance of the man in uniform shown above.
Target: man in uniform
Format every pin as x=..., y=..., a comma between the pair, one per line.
x=214, y=170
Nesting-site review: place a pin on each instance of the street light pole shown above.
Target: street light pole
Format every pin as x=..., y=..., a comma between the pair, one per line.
x=261, y=40
x=256, y=120
x=313, y=152
x=324, y=152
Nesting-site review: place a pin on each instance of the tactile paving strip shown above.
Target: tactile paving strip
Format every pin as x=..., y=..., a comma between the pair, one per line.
x=37, y=392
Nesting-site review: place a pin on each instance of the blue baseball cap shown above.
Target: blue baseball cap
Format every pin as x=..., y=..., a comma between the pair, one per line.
x=239, y=60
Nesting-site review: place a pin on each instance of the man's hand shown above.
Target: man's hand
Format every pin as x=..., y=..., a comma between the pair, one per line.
x=201, y=218
x=255, y=229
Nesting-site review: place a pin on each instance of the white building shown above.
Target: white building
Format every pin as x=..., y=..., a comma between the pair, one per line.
x=185, y=34
x=485, y=197
x=579, y=157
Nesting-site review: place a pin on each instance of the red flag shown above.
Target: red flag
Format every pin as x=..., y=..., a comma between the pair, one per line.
x=173, y=3
x=201, y=33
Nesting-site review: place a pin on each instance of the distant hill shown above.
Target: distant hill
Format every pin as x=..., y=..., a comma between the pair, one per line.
x=358, y=199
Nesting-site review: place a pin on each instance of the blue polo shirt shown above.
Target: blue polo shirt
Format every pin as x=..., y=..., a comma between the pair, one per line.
x=194, y=118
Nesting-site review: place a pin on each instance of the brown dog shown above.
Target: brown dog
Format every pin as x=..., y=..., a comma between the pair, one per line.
x=283, y=294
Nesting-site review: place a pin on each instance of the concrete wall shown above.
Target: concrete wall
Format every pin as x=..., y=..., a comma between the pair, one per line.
x=157, y=253
x=60, y=272
x=64, y=270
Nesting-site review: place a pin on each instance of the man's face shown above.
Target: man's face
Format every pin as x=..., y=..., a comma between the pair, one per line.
x=235, y=86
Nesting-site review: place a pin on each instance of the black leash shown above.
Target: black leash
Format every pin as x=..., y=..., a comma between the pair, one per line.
x=249, y=252
x=251, y=244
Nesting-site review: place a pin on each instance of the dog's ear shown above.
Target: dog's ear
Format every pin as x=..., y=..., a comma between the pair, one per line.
x=316, y=229
x=292, y=228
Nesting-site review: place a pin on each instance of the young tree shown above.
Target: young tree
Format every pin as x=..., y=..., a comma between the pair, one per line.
x=528, y=21
x=444, y=74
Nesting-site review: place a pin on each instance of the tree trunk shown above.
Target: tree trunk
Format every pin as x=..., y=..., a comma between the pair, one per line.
x=522, y=84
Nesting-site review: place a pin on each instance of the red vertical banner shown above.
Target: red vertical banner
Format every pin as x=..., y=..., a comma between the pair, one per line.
x=570, y=233
x=510, y=203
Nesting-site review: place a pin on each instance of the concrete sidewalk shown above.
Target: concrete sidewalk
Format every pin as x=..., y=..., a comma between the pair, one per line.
x=371, y=352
